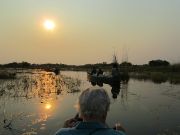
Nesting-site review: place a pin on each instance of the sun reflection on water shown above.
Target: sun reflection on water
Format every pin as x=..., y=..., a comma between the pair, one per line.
x=48, y=106
x=42, y=92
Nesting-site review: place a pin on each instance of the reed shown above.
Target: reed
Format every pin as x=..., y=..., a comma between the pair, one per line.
x=157, y=77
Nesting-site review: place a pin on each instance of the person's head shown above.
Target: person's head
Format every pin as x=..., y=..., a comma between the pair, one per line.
x=115, y=65
x=94, y=68
x=93, y=104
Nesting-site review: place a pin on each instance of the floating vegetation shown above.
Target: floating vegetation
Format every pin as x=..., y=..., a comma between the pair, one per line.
x=73, y=85
x=32, y=132
x=8, y=121
x=7, y=75
x=41, y=85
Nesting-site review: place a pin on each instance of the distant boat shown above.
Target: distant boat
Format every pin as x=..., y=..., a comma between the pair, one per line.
x=107, y=79
x=115, y=77
x=56, y=71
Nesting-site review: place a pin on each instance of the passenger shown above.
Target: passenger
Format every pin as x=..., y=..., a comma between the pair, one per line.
x=115, y=72
x=93, y=72
x=100, y=72
x=93, y=106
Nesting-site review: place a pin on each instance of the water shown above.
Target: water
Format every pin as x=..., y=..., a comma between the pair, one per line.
x=39, y=102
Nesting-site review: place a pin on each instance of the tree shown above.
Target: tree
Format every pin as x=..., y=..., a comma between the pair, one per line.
x=24, y=64
x=158, y=63
x=126, y=64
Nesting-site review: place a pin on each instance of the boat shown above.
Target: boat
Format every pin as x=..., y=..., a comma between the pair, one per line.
x=115, y=77
x=101, y=78
x=107, y=79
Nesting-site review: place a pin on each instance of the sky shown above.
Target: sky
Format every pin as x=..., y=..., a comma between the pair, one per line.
x=89, y=31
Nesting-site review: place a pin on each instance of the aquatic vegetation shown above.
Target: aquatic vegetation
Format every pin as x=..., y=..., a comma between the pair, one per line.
x=7, y=75
x=38, y=102
x=41, y=85
x=157, y=77
x=32, y=132
x=72, y=84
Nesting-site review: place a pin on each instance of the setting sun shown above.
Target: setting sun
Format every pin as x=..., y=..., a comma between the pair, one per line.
x=49, y=24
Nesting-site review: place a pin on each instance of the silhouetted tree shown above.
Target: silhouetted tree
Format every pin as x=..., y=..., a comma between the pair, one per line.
x=25, y=64
x=159, y=63
x=126, y=64
x=11, y=65
x=18, y=65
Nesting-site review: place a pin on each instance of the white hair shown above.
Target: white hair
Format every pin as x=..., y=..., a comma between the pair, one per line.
x=94, y=102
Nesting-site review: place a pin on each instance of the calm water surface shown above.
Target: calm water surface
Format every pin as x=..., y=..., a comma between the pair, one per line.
x=39, y=102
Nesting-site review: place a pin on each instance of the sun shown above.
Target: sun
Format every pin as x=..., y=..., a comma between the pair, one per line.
x=49, y=24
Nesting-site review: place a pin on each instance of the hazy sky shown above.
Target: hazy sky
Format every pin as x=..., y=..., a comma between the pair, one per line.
x=89, y=31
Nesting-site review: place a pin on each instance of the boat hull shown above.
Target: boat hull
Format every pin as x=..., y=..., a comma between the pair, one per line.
x=107, y=79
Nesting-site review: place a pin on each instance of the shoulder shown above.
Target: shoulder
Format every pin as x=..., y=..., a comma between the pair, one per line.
x=109, y=132
x=63, y=131
x=115, y=132
x=69, y=131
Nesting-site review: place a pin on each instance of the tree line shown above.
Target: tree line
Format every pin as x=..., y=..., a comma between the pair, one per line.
x=154, y=65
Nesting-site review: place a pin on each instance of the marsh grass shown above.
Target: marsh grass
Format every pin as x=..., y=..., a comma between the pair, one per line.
x=42, y=85
x=7, y=75
x=157, y=77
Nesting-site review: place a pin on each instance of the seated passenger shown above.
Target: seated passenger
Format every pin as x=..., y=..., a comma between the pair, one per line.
x=115, y=72
x=93, y=106
x=100, y=72
x=93, y=72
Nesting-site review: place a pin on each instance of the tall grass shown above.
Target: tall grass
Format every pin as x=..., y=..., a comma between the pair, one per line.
x=157, y=77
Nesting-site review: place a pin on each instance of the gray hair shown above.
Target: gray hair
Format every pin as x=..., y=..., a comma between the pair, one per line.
x=94, y=102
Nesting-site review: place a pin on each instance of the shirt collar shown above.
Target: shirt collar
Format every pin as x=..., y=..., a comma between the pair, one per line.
x=90, y=125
